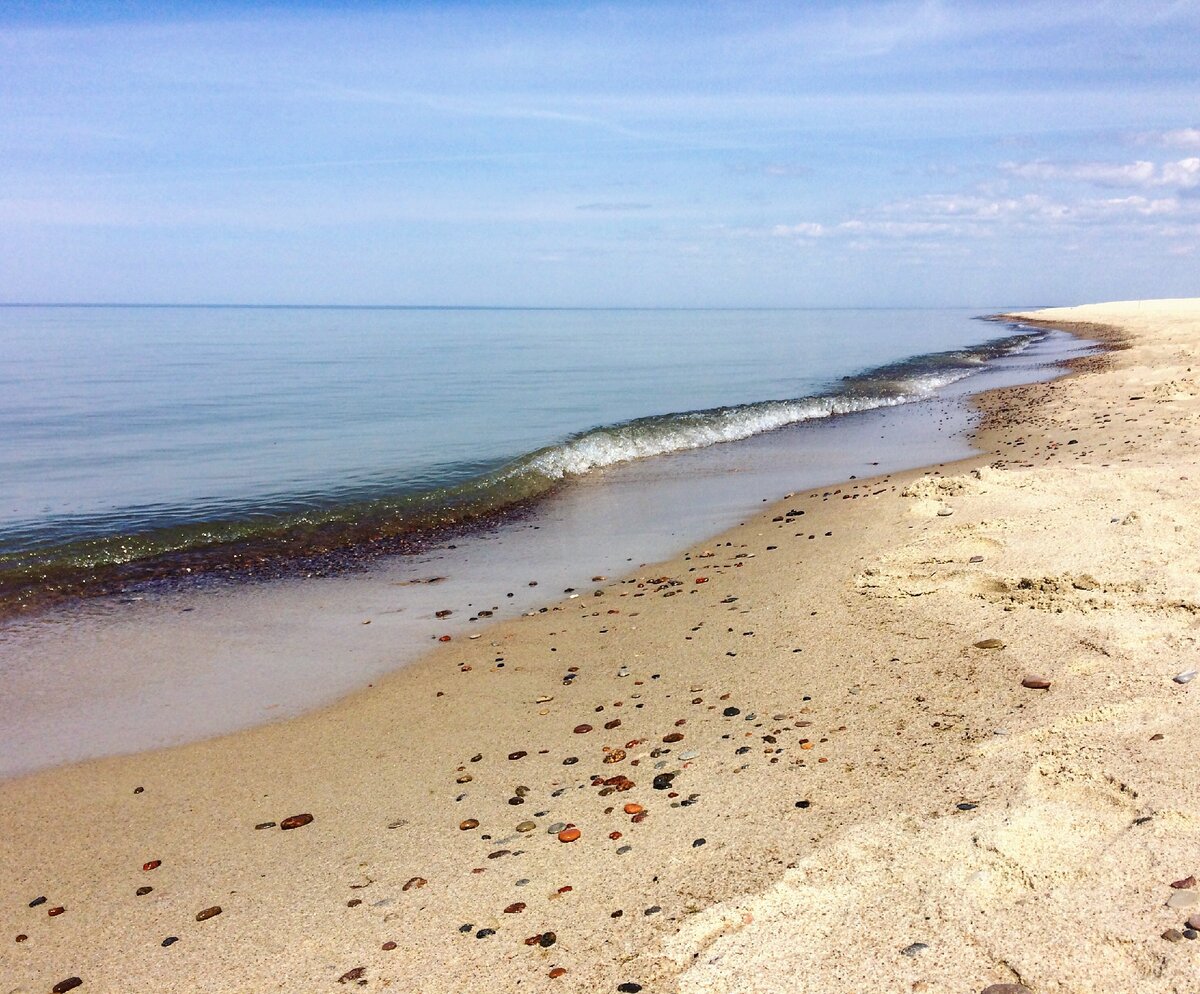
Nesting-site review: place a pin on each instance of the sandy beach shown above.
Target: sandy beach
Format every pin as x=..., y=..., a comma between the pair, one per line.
x=923, y=732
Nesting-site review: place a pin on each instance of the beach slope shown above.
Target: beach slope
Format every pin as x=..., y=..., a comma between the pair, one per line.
x=924, y=732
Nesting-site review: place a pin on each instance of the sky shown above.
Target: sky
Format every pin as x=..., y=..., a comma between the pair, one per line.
x=848, y=154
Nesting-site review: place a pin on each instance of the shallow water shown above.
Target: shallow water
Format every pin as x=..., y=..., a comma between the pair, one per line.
x=148, y=442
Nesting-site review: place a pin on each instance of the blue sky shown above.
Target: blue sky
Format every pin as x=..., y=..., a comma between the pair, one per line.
x=740, y=154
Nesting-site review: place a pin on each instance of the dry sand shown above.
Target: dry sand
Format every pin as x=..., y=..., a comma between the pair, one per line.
x=888, y=809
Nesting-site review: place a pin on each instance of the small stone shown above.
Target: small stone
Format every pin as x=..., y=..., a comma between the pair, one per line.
x=143, y=891
x=1187, y=676
x=483, y=933
x=1190, y=933
x=170, y=940
x=519, y=754
x=526, y=826
x=388, y=946
x=966, y=806
x=582, y=729
x=629, y=988
x=673, y=737
x=1193, y=921
x=468, y=824
x=154, y=864
x=633, y=809
x=515, y=908
x=731, y=712
x=1034, y=682
x=66, y=985
x=557, y=827
x=416, y=883
x=557, y=972
x=945, y=512
x=547, y=939
x=55, y=912
x=803, y=804
x=295, y=821
x=1173, y=935
x=1187, y=883
x=975, y=559
x=697, y=843
x=36, y=901
x=569, y=835
x=264, y=824
x=914, y=949
x=356, y=974
x=207, y=913
x=989, y=644
x=663, y=781
x=1183, y=899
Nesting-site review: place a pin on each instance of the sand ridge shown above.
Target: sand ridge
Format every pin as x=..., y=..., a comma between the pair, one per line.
x=850, y=792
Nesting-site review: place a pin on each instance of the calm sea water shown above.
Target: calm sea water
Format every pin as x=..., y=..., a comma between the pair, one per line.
x=138, y=435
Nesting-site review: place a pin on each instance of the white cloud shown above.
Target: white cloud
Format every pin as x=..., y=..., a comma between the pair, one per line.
x=1179, y=138
x=803, y=230
x=1183, y=174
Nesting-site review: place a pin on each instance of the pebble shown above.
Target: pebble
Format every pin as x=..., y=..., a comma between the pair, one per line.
x=1187, y=676
x=730, y=712
x=469, y=824
x=154, y=864
x=388, y=946
x=1193, y=921
x=295, y=821
x=36, y=901
x=264, y=824
x=1034, y=682
x=582, y=729
x=1187, y=883
x=673, y=737
x=697, y=843
x=515, y=908
x=989, y=644
x=633, y=809
x=629, y=988
x=170, y=940
x=354, y=974
x=415, y=883
x=547, y=940
x=1183, y=899
x=569, y=835
x=557, y=827
x=526, y=826
x=966, y=806
x=663, y=781
x=55, y=912
x=66, y=985
x=483, y=933
x=1173, y=935
x=143, y=891
x=207, y=913
x=1190, y=933
x=916, y=947
x=557, y=972
x=690, y=754
x=622, y=850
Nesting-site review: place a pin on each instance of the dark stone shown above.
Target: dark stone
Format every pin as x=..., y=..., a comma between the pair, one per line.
x=547, y=940
x=730, y=712
x=66, y=985
x=295, y=821
x=36, y=901
x=264, y=824
x=170, y=940
x=483, y=933
x=663, y=781
x=966, y=806
x=629, y=988
x=356, y=974
x=207, y=913
x=143, y=891
x=803, y=804
x=697, y=843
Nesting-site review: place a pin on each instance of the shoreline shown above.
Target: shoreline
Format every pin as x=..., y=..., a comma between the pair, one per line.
x=857, y=805
x=193, y=664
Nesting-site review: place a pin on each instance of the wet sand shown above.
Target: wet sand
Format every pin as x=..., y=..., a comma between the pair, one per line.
x=836, y=778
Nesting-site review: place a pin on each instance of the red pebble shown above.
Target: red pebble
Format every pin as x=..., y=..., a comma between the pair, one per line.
x=154, y=864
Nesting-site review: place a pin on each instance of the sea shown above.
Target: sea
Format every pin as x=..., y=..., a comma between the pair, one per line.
x=198, y=504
